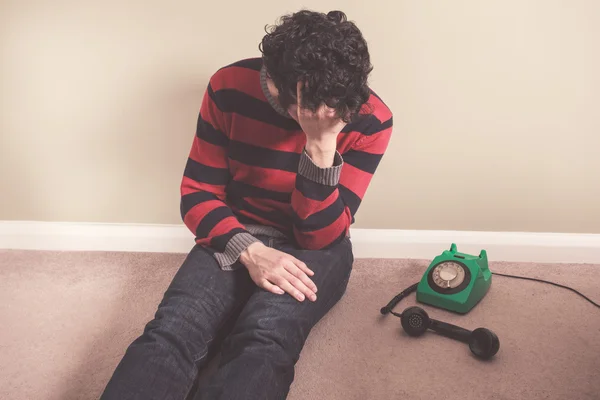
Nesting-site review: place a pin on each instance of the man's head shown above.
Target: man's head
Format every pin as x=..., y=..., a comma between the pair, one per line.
x=325, y=52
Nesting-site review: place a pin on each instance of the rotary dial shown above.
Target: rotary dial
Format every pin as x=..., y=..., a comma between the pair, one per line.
x=448, y=275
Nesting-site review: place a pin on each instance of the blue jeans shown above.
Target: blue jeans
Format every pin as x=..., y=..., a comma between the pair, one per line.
x=259, y=334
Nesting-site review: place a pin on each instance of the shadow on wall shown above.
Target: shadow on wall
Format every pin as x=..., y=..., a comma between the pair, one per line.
x=15, y=178
x=149, y=154
x=116, y=162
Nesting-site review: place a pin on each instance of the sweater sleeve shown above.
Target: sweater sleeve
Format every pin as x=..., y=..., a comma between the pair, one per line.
x=325, y=200
x=203, y=208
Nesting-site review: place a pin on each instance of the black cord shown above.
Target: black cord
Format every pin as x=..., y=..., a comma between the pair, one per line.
x=387, y=309
x=552, y=283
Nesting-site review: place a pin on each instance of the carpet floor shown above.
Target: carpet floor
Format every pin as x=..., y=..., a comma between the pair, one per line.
x=67, y=318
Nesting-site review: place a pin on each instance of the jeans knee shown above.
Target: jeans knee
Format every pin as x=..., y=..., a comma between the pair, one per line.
x=278, y=343
x=173, y=327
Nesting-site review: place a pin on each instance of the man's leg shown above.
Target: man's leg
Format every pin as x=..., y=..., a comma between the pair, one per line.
x=163, y=362
x=258, y=358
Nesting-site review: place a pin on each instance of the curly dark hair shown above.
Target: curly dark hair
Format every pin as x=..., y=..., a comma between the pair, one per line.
x=324, y=51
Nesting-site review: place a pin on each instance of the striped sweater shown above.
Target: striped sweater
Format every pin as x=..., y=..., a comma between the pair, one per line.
x=248, y=174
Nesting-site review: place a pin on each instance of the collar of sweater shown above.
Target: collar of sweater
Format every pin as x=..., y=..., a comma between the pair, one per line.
x=272, y=101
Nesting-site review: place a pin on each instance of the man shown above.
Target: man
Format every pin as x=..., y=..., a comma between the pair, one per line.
x=285, y=148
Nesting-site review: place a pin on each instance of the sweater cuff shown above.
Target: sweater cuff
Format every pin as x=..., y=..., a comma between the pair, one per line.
x=236, y=245
x=324, y=176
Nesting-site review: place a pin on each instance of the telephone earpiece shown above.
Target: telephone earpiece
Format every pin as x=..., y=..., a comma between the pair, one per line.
x=482, y=342
x=415, y=321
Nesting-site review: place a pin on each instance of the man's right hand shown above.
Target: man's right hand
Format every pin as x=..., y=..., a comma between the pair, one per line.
x=278, y=272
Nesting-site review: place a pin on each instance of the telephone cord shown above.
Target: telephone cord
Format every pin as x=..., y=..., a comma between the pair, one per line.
x=551, y=283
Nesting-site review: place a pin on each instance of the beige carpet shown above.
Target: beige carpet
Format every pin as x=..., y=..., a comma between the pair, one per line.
x=68, y=317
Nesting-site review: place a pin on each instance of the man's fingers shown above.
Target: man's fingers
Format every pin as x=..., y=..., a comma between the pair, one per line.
x=288, y=287
x=299, y=95
x=300, y=285
x=303, y=267
x=324, y=112
x=271, y=288
x=300, y=274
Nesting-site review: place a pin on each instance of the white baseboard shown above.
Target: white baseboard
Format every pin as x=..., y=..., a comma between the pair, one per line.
x=368, y=243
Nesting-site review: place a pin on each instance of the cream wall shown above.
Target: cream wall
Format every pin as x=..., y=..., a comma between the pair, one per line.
x=497, y=122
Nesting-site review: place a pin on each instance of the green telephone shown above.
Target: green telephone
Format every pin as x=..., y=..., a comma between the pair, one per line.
x=455, y=281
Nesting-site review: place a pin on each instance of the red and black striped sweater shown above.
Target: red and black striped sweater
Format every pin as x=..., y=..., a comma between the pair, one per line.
x=247, y=172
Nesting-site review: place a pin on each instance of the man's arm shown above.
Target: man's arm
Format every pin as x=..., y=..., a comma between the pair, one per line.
x=206, y=175
x=330, y=186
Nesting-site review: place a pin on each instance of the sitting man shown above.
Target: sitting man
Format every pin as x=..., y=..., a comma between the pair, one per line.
x=285, y=148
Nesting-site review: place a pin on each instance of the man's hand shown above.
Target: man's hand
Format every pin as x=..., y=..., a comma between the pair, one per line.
x=321, y=129
x=278, y=272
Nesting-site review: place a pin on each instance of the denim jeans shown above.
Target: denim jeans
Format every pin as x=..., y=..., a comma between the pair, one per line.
x=260, y=348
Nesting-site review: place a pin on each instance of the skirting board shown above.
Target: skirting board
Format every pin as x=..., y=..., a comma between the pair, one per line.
x=368, y=243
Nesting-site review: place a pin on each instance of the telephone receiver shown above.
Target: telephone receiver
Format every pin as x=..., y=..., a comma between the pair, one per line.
x=415, y=321
x=483, y=343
